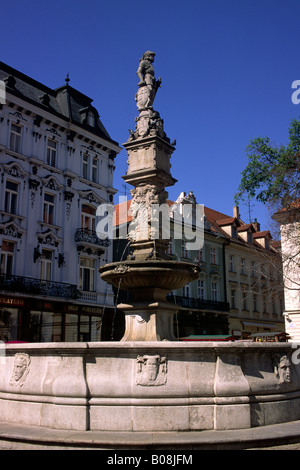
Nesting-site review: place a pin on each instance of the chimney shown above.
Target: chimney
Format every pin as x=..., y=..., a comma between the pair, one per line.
x=236, y=212
x=256, y=225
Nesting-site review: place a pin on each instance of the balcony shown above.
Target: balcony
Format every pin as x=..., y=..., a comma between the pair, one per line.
x=86, y=238
x=31, y=286
x=198, y=304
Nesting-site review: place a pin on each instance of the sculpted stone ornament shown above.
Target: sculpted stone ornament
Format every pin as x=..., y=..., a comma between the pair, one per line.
x=149, y=122
x=151, y=370
x=20, y=370
x=282, y=368
x=145, y=200
x=148, y=85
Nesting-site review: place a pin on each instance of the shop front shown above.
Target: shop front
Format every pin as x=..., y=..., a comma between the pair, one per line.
x=35, y=321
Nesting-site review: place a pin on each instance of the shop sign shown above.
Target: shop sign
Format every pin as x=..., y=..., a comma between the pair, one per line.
x=95, y=310
x=84, y=309
x=12, y=301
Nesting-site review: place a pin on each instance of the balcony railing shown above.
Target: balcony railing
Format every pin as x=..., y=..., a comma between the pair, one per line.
x=89, y=236
x=28, y=285
x=198, y=304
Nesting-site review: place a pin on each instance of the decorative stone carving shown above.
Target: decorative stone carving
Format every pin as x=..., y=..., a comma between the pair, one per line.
x=51, y=184
x=33, y=186
x=151, y=370
x=68, y=196
x=282, y=368
x=20, y=370
x=148, y=84
x=53, y=131
x=148, y=122
x=11, y=230
x=14, y=171
x=145, y=201
x=122, y=268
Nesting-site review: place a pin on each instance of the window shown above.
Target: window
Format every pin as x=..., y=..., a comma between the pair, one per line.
x=214, y=291
x=183, y=249
x=95, y=170
x=91, y=119
x=15, y=138
x=85, y=166
x=86, y=274
x=88, y=215
x=234, y=231
x=7, y=257
x=201, y=289
x=46, y=265
x=243, y=266
x=213, y=255
x=244, y=300
x=51, y=152
x=186, y=291
x=255, y=304
x=232, y=298
x=274, y=306
x=44, y=326
x=11, y=197
x=231, y=263
x=48, y=213
x=200, y=255
x=170, y=247
x=253, y=269
x=9, y=323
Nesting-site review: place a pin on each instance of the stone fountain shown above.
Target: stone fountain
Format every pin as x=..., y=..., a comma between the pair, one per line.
x=150, y=274
x=148, y=382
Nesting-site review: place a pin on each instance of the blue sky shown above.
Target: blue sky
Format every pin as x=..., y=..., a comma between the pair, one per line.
x=227, y=68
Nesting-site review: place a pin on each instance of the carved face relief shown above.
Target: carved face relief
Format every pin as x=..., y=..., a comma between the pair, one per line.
x=151, y=370
x=282, y=369
x=20, y=370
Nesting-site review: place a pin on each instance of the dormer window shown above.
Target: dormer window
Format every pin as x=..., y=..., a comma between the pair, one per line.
x=234, y=231
x=246, y=232
x=91, y=119
x=230, y=226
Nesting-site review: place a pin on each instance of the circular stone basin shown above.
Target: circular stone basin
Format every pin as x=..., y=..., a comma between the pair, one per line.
x=163, y=274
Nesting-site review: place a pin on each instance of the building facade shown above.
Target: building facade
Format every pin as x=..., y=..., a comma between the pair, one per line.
x=289, y=220
x=56, y=166
x=254, y=280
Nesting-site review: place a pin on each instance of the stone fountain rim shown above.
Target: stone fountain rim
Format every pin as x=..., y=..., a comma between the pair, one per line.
x=146, y=345
x=159, y=264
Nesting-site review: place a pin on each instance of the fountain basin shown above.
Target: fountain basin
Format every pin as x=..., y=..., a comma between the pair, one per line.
x=164, y=274
x=149, y=386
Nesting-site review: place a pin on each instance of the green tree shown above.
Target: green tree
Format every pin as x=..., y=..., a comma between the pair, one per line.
x=272, y=175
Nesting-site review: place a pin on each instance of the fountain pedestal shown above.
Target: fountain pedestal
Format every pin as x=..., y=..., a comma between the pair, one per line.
x=151, y=273
x=150, y=316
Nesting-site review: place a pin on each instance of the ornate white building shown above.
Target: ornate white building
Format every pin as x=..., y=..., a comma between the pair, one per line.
x=56, y=168
x=289, y=221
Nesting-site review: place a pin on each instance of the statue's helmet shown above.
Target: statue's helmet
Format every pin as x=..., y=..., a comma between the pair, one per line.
x=147, y=54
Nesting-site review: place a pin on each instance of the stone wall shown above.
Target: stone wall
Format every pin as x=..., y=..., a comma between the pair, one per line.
x=149, y=386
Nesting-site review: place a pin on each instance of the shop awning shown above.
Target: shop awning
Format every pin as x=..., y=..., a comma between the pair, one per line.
x=261, y=325
x=208, y=338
